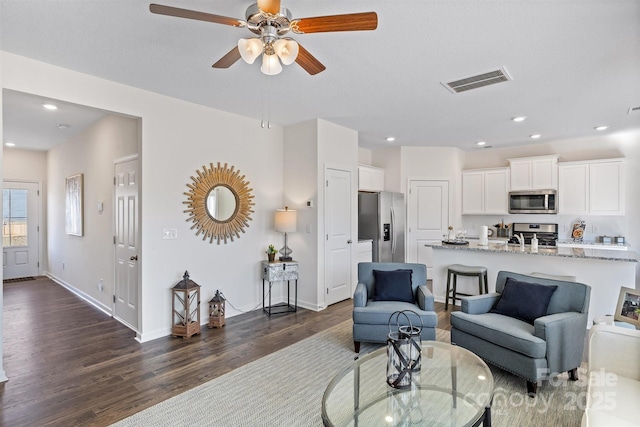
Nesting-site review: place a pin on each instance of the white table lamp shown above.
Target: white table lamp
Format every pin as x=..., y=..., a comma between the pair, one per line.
x=285, y=222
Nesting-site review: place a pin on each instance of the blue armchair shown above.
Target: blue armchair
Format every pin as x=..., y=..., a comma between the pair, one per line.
x=549, y=345
x=371, y=317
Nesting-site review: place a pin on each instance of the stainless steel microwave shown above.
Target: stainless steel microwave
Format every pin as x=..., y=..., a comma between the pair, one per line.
x=533, y=202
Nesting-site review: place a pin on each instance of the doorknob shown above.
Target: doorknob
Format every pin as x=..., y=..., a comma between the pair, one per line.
x=349, y=241
x=133, y=258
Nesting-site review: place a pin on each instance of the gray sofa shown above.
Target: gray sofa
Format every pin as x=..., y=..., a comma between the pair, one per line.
x=553, y=344
x=371, y=318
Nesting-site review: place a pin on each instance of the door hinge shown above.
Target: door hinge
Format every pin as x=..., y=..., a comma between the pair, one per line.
x=114, y=180
x=114, y=299
x=327, y=291
x=38, y=264
x=327, y=237
x=38, y=228
x=114, y=240
x=38, y=193
x=327, y=183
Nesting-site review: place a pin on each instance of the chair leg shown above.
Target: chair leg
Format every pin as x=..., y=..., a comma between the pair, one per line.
x=486, y=283
x=454, y=291
x=446, y=295
x=573, y=374
x=356, y=344
x=532, y=388
x=480, y=277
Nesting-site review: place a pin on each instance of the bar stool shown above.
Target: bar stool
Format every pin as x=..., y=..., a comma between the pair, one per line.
x=456, y=270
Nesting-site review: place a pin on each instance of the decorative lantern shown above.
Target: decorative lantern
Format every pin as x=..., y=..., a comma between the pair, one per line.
x=185, y=306
x=404, y=351
x=216, y=311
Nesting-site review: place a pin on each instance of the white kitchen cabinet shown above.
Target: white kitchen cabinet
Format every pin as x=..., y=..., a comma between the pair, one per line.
x=485, y=191
x=370, y=178
x=534, y=173
x=591, y=187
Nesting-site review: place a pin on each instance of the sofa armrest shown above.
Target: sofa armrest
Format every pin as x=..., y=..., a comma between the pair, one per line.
x=615, y=350
x=479, y=304
x=424, y=298
x=360, y=295
x=564, y=334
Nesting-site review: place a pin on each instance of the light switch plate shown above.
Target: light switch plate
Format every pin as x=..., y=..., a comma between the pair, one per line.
x=169, y=234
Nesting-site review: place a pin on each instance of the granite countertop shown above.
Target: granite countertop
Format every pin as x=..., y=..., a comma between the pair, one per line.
x=595, y=245
x=602, y=254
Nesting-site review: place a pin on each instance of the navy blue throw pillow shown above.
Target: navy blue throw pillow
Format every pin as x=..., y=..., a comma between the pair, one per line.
x=523, y=300
x=393, y=285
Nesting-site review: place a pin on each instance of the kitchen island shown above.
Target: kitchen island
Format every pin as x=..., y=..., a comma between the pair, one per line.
x=604, y=270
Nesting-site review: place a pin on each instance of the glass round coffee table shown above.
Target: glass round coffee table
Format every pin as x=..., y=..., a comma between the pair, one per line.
x=454, y=387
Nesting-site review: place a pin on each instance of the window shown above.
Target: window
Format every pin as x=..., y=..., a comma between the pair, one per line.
x=14, y=217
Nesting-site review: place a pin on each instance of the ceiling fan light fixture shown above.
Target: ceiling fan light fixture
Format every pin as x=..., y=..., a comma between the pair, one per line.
x=270, y=65
x=250, y=49
x=287, y=50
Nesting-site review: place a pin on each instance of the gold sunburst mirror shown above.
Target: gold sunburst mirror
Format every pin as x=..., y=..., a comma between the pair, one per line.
x=220, y=203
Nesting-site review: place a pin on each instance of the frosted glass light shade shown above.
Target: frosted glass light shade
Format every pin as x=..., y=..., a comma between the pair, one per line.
x=250, y=49
x=270, y=65
x=287, y=50
x=285, y=220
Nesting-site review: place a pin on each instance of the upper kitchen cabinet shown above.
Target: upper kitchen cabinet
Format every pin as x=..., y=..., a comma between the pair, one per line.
x=593, y=187
x=370, y=178
x=485, y=191
x=534, y=173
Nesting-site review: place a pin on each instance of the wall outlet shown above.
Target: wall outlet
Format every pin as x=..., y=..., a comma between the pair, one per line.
x=595, y=229
x=169, y=234
x=101, y=285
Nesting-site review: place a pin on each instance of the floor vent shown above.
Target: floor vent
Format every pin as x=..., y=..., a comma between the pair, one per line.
x=481, y=80
x=19, y=279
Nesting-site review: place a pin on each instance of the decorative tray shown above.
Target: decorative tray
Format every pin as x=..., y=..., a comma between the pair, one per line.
x=455, y=242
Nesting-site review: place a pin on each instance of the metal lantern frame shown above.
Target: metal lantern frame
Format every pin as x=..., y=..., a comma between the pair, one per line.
x=185, y=308
x=404, y=351
x=216, y=311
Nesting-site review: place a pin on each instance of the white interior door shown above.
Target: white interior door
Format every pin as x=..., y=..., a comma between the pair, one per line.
x=427, y=217
x=337, y=267
x=127, y=242
x=20, y=229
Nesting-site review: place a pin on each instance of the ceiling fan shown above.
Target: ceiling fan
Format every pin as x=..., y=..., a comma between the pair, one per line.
x=271, y=21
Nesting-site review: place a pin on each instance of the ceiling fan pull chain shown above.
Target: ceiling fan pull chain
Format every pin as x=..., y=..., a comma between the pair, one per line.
x=266, y=88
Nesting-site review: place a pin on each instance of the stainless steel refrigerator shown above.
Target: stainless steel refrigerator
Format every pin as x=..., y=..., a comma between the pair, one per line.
x=381, y=217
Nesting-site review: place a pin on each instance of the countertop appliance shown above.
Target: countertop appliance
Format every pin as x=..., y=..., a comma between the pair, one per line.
x=547, y=234
x=381, y=217
x=533, y=202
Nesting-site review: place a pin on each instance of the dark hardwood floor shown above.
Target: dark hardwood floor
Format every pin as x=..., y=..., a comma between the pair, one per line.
x=69, y=364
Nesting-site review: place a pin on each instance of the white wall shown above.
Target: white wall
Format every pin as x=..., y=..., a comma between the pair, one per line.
x=178, y=138
x=3, y=376
x=364, y=156
x=82, y=261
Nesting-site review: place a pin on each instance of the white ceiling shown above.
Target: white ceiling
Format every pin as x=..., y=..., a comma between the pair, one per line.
x=575, y=64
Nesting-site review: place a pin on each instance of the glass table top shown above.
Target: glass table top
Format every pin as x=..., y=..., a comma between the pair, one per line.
x=454, y=387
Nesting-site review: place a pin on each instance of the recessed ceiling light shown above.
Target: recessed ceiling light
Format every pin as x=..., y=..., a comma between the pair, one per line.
x=62, y=126
x=519, y=118
x=391, y=138
x=601, y=127
x=50, y=106
x=481, y=143
x=10, y=144
x=535, y=136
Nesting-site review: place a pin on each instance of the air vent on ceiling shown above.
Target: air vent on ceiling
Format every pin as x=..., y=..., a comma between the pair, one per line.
x=474, y=82
x=633, y=110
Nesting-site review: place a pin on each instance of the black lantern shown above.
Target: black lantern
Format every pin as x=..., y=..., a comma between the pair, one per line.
x=185, y=306
x=404, y=351
x=216, y=311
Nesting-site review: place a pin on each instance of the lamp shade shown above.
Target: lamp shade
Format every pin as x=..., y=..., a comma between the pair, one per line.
x=285, y=220
x=270, y=65
x=287, y=50
x=250, y=49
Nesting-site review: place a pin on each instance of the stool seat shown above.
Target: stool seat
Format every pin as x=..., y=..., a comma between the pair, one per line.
x=467, y=270
x=456, y=270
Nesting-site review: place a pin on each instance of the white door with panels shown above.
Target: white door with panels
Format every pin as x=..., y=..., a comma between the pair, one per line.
x=427, y=218
x=127, y=242
x=20, y=229
x=338, y=240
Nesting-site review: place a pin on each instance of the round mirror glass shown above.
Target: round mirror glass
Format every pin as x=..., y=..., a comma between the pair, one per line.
x=221, y=203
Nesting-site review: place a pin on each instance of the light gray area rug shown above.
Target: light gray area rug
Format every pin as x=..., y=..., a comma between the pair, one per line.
x=285, y=388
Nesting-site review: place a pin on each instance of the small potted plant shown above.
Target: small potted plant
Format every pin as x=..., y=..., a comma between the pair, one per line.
x=271, y=253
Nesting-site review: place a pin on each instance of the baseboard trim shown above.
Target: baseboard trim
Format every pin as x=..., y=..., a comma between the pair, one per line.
x=81, y=294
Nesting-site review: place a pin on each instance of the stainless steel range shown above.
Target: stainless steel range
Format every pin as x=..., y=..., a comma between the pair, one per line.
x=547, y=234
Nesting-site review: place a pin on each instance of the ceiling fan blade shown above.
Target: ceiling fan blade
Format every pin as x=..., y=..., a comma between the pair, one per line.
x=324, y=24
x=229, y=59
x=307, y=61
x=269, y=6
x=198, y=16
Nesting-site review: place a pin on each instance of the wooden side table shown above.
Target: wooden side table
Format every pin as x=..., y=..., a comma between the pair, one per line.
x=280, y=271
